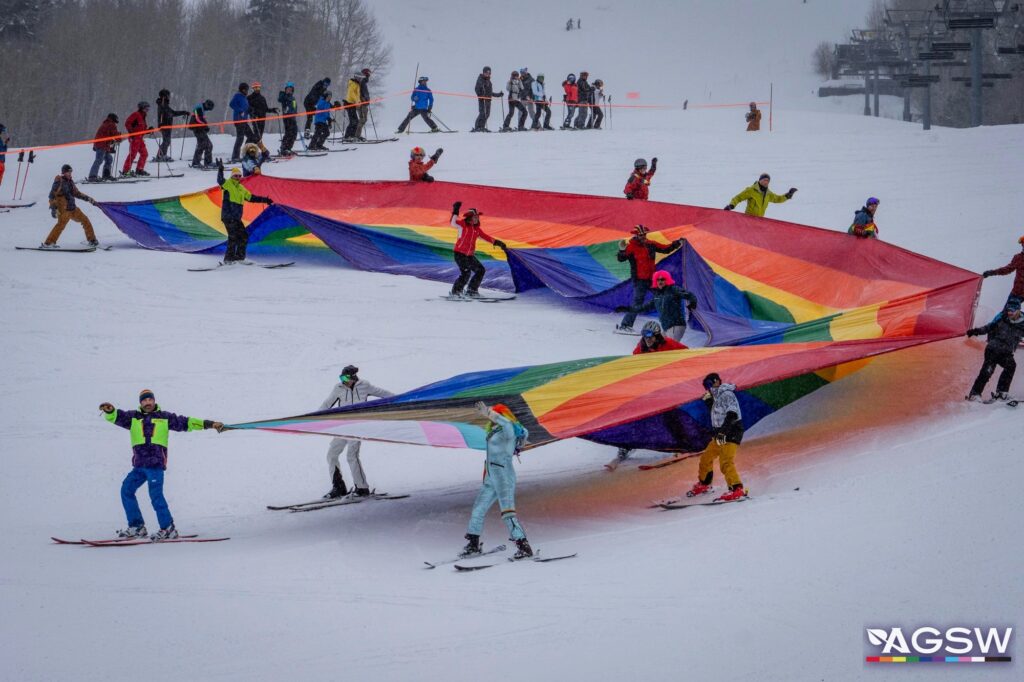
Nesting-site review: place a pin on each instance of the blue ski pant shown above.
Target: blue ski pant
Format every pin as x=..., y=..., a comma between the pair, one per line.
x=499, y=486
x=132, y=482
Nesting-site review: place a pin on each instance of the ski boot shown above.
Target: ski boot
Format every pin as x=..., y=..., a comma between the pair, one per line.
x=624, y=327
x=973, y=397
x=623, y=454
x=142, y=173
x=361, y=492
x=93, y=242
x=435, y=130
x=523, y=550
x=473, y=294
x=338, y=488
x=1000, y=396
x=455, y=294
x=128, y=174
x=699, y=489
x=93, y=178
x=133, y=532
x=168, y=533
x=44, y=245
x=472, y=547
x=736, y=493
x=504, y=129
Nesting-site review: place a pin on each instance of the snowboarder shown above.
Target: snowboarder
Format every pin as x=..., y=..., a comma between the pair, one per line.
x=1016, y=265
x=727, y=434
x=232, y=202
x=753, y=118
x=350, y=390
x=240, y=114
x=201, y=129
x=471, y=270
x=352, y=98
x=364, y=104
x=289, y=108
x=863, y=225
x=422, y=104
x=484, y=93
x=418, y=169
x=584, y=95
x=137, y=127
x=165, y=118
x=640, y=180
x=571, y=97
x=673, y=304
x=639, y=251
x=505, y=438
x=515, y=96
x=149, y=427
x=312, y=98
x=758, y=196
x=322, y=121
x=62, y=196
x=542, y=108
x=252, y=159
x=5, y=139
x=598, y=97
x=1004, y=335
x=104, y=149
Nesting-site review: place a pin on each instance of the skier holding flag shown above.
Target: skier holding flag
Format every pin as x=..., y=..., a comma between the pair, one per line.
x=471, y=270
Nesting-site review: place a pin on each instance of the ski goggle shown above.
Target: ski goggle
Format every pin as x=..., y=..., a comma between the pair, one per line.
x=345, y=378
x=647, y=333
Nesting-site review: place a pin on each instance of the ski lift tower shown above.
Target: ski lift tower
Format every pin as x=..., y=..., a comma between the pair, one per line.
x=916, y=31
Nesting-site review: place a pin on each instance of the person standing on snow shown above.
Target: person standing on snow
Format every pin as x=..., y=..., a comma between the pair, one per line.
x=515, y=96
x=312, y=98
x=232, y=202
x=136, y=126
x=598, y=98
x=864, y=221
x=289, y=108
x=239, y=105
x=165, y=118
x=352, y=98
x=673, y=304
x=104, y=149
x=753, y=118
x=364, y=104
x=62, y=196
x=640, y=179
x=585, y=94
x=727, y=434
x=350, y=390
x=418, y=169
x=758, y=196
x=505, y=438
x=571, y=97
x=541, y=105
x=1004, y=335
x=484, y=93
x=422, y=104
x=471, y=270
x=1016, y=265
x=639, y=251
x=527, y=99
x=258, y=110
x=322, y=123
x=201, y=129
x=5, y=139
x=149, y=427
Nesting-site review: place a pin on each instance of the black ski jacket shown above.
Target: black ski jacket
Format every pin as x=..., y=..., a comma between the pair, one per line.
x=164, y=113
x=1003, y=335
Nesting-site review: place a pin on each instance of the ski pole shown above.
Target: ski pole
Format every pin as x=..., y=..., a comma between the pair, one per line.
x=21, y=157
x=443, y=123
x=24, y=181
x=369, y=111
x=416, y=82
x=184, y=133
x=611, y=122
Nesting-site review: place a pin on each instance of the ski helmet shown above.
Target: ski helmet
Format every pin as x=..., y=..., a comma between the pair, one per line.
x=571, y=78
x=1012, y=306
x=143, y=105
x=289, y=84
x=256, y=85
x=349, y=372
x=208, y=105
x=66, y=168
x=110, y=117
x=417, y=151
x=709, y=380
x=242, y=87
x=540, y=77
x=640, y=163
x=650, y=329
x=640, y=230
x=870, y=201
x=424, y=79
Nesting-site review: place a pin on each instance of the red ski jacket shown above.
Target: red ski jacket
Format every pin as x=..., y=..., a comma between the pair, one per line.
x=417, y=169
x=640, y=255
x=1018, y=282
x=660, y=343
x=572, y=93
x=465, y=242
x=136, y=123
x=636, y=186
x=107, y=129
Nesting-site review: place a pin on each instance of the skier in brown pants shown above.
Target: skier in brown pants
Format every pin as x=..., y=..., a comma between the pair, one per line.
x=62, y=207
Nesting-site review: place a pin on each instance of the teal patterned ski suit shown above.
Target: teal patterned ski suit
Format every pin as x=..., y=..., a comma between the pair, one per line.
x=499, y=484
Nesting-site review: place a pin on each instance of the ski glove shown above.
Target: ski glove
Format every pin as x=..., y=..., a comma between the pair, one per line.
x=988, y=273
x=106, y=407
x=482, y=409
x=629, y=196
x=437, y=155
x=219, y=426
x=791, y=192
x=500, y=244
x=654, y=164
x=456, y=207
x=973, y=332
x=720, y=438
x=53, y=212
x=623, y=244
x=729, y=207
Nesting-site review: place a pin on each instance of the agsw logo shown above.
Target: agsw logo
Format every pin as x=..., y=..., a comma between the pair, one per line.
x=955, y=641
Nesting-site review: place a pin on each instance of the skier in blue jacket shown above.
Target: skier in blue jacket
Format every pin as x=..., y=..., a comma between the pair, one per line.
x=322, y=123
x=422, y=104
x=505, y=437
x=240, y=115
x=149, y=427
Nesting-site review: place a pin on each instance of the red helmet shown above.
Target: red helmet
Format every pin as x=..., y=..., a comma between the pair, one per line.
x=417, y=151
x=1021, y=241
x=640, y=230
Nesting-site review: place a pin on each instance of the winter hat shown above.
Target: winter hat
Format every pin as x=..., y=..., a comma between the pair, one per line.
x=66, y=168
x=870, y=201
x=242, y=87
x=289, y=84
x=1012, y=305
x=763, y=176
x=504, y=411
x=208, y=105
x=523, y=70
x=584, y=74
x=366, y=72
x=424, y=78
x=487, y=69
x=418, y=151
x=540, y=77
x=662, y=274
x=1021, y=240
x=256, y=85
x=146, y=393
x=112, y=117
x=236, y=172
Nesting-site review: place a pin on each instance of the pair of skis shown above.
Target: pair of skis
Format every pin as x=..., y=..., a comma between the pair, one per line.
x=66, y=249
x=478, y=299
x=315, y=505
x=267, y=266
x=129, y=542
x=494, y=550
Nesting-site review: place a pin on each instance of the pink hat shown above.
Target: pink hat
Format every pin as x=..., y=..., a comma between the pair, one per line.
x=662, y=274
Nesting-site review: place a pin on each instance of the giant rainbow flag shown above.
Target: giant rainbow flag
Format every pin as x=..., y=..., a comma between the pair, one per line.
x=786, y=308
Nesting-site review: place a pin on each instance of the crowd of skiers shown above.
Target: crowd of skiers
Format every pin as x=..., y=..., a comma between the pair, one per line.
x=528, y=98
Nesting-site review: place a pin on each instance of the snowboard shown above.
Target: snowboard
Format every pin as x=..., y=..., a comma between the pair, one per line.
x=481, y=299
x=267, y=266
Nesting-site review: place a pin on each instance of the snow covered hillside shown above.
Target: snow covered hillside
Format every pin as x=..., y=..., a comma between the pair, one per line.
x=881, y=500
